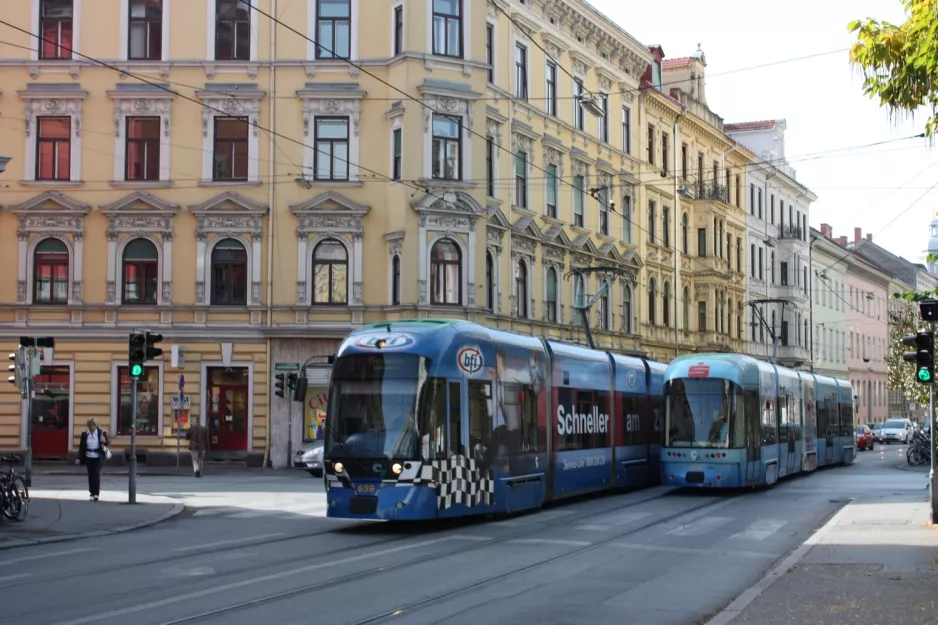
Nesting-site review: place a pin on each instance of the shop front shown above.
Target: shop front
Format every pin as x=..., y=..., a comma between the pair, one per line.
x=227, y=393
x=51, y=413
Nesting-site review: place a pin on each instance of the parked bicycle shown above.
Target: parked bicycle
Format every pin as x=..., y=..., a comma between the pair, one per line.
x=14, y=495
x=919, y=451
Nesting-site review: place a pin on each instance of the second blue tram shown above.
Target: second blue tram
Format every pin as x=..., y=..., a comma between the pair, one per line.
x=734, y=421
x=434, y=419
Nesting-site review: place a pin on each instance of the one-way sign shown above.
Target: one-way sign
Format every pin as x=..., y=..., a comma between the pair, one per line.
x=186, y=402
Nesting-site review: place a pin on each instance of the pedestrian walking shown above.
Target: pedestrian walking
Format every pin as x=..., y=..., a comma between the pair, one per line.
x=197, y=436
x=92, y=451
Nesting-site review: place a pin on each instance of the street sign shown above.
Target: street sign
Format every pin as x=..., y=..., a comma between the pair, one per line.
x=186, y=402
x=182, y=382
x=287, y=366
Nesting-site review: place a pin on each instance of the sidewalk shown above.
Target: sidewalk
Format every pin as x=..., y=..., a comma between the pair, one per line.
x=58, y=515
x=874, y=563
x=185, y=469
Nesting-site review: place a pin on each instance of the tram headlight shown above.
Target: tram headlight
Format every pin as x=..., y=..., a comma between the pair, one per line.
x=396, y=468
x=339, y=467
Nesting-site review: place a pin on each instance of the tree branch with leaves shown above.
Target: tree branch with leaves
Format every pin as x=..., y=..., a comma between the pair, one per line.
x=904, y=320
x=899, y=62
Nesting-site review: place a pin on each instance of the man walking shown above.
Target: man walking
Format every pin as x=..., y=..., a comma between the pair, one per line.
x=197, y=436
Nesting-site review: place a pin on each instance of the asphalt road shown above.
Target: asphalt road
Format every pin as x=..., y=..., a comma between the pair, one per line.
x=252, y=549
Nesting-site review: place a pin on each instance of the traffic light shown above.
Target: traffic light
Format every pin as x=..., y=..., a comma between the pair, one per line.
x=153, y=353
x=137, y=353
x=279, y=385
x=299, y=390
x=929, y=310
x=35, y=362
x=18, y=368
x=923, y=356
x=291, y=381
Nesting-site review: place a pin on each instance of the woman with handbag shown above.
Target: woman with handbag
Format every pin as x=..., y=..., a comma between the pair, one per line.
x=92, y=451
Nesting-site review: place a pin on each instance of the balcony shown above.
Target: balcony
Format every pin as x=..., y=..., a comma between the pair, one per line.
x=792, y=355
x=789, y=232
x=713, y=191
x=710, y=264
x=791, y=292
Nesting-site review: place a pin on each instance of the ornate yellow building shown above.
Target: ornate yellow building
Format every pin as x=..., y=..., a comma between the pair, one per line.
x=254, y=191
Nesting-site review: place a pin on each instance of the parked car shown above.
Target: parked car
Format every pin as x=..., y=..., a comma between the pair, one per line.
x=864, y=437
x=309, y=457
x=877, y=431
x=897, y=431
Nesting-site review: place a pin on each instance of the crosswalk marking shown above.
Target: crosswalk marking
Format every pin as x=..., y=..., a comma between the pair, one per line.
x=760, y=530
x=701, y=526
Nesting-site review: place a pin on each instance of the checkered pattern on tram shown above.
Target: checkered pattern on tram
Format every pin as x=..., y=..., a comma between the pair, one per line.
x=458, y=480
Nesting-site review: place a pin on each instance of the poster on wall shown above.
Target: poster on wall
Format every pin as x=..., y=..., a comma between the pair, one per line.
x=314, y=417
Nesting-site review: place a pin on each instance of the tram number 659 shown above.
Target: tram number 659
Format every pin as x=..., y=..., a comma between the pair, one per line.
x=365, y=488
x=633, y=423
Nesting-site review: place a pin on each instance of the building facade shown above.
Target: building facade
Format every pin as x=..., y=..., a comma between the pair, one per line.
x=778, y=244
x=829, y=312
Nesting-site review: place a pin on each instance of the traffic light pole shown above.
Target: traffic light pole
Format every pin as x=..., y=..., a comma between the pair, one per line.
x=28, y=384
x=132, y=464
x=932, y=491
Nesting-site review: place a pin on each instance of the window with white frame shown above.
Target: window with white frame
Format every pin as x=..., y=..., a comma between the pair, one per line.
x=521, y=288
x=551, y=191
x=578, y=119
x=550, y=94
x=53, y=148
x=550, y=295
x=626, y=130
x=521, y=72
x=627, y=327
x=627, y=218
x=330, y=273
x=447, y=147
x=331, y=138
x=53, y=132
x=490, y=166
x=490, y=51
x=232, y=22
x=141, y=128
x=140, y=272
x=50, y=272
x=447, y=28
x=397, y=153
x=603, y=120
x=602, y=202
x=445, y=273
x=604, y=312
x=57, y=20
x=230, y=135
x=579, y=186
x=398, y=30
x=145, y=30
x=521, y=180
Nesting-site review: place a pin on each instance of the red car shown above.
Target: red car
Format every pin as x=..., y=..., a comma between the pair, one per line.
x=864, y=438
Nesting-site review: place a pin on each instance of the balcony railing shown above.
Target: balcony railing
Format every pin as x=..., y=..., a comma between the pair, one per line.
x=790, y=232
x=790, y=292
x=792, y=354
x=713, y=191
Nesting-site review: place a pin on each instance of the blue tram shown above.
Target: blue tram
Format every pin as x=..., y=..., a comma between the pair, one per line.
x=434, y=419
x=734, y=421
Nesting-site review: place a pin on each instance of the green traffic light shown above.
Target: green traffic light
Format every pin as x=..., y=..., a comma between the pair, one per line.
x=136, y=370
x=924, y=375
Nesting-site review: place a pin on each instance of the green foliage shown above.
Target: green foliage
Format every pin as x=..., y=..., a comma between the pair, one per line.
x=904, y=319
x=899, y=63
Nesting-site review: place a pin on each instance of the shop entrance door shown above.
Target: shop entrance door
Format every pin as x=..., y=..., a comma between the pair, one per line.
x=50, y=414
x=227, y=404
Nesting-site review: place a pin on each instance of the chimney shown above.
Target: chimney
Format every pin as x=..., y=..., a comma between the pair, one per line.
x=869, y=237
x=827, y=231
x=857, y=236
x=842, y=241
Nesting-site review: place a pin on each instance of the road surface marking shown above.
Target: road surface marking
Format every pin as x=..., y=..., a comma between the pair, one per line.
x=610, y=521
x=697, y=528
x=208, y=512
x=43, y=556
x=229, y=542
x=254, y=581
x=695, y=551
x=10, y=578
x=760, y=530
x=181, y=571
x=548, y=541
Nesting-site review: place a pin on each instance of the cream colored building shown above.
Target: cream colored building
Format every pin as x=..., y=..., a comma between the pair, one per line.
x=253, y=196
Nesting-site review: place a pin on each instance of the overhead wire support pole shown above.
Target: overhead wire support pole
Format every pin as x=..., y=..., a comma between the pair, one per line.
x=584, y=309
x=932, y=498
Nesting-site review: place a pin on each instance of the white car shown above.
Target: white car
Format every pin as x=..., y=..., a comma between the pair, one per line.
x=897, y=431
x=309, y=457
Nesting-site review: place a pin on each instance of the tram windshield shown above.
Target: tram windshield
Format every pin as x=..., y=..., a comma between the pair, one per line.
x=372, y=406
x=702, y=412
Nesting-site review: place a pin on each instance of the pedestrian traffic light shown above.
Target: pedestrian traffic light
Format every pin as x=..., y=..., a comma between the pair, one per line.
x=299, y=389
x=279, y=385
x=923, y=357
x=137, y=353
x=153, y=352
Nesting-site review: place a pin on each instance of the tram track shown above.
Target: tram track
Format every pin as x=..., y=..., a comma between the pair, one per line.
x=411, y=533
x=361, y=575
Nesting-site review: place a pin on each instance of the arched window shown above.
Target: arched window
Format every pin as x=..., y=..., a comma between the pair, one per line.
x=651, y=301
x=684, y=233
x=686, y=307
x=445, y=273
x=550, y=291
x=665, y=304
x=521, y=288
x=396, y=280
x=50, y=272
x=604, y=320
x=330, y=273
x=141, y=272
x=490, y=281
x=229, y=273
x=627, y=309
x=579, y=298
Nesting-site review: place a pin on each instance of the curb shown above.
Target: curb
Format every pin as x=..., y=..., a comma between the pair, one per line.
x=176, y=510
x=730, y=612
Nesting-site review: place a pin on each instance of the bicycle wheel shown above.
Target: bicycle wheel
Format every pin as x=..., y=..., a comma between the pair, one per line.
x=913, y=456
x=15, y=500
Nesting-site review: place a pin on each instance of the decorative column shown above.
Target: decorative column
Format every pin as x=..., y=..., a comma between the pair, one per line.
x=256, y=238
x=357, y=269
x=111, y=286
x=471, y=266
x=166, y=294
x=302, y=245
x=79, y=239
x=23, y=237
x=422, y=296
x=200, y=268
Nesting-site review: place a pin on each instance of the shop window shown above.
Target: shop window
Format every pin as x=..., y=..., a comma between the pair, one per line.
x=148, y=402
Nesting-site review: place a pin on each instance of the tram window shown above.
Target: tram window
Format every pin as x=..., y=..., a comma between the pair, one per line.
x=601, y=435
x=633, y=421
x=532, y=438
x=657, y=414
x=783, y=418
x=846, y=421
x=750, y=415
x=797, y=417
x=480, y=417
x=769, y=429
x=433, y=419
x=822, y=419
x=738, y=420
x=455, y=420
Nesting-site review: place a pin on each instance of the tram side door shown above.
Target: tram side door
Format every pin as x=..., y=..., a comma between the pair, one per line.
x=457, y=433
x=752, y=411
